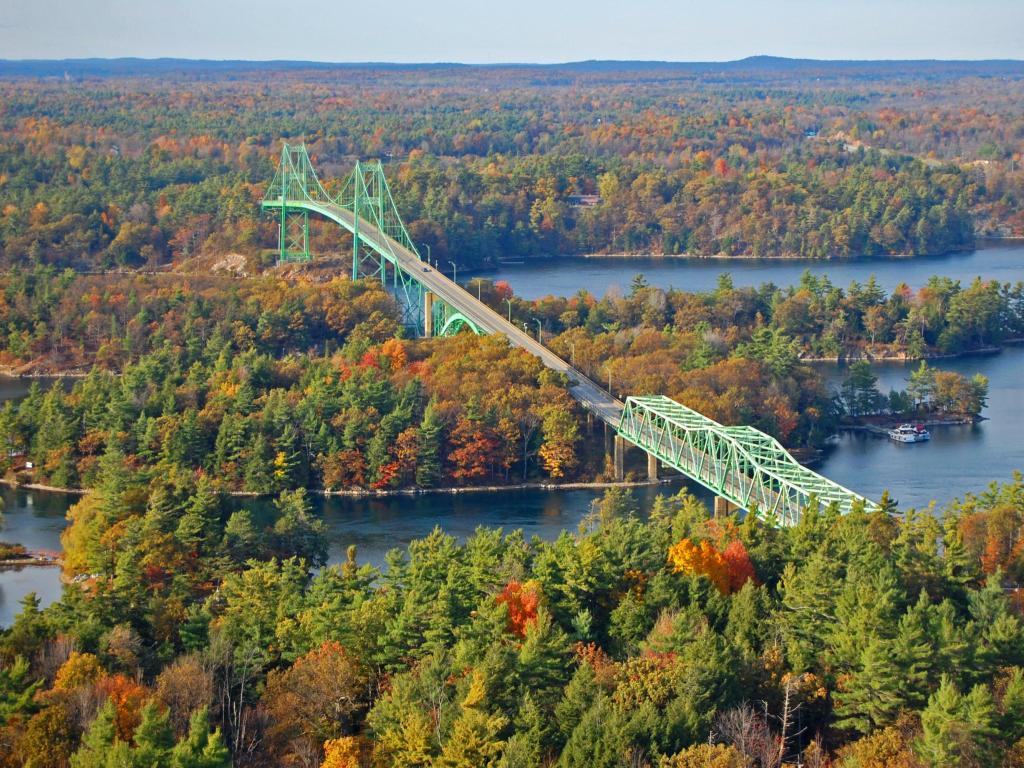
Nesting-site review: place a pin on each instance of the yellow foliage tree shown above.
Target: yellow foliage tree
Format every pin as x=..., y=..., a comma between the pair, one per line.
x=701, y=559
x=395, y=352
x=344, y=752
x=79, y=669
x=706, y=756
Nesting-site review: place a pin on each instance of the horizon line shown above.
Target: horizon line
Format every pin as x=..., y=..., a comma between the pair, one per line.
x=383, y=62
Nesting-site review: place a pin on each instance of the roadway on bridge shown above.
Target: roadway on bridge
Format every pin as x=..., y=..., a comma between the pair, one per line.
x=587, y=393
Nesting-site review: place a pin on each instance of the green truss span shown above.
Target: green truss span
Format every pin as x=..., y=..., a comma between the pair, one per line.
x=381, y=246
x=741, y=464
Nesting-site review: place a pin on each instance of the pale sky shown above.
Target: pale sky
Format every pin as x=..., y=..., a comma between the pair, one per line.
x=487, y=31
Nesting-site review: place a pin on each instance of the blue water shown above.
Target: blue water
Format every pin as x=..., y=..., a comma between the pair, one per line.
x=999, y=260
x=958, y=459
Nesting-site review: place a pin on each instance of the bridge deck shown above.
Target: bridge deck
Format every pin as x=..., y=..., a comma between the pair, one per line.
x=586, y=392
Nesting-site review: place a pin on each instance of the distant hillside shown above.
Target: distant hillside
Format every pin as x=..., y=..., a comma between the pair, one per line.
x=751, y=66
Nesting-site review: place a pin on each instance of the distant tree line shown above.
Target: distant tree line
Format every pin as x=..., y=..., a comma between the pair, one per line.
x=682, y=167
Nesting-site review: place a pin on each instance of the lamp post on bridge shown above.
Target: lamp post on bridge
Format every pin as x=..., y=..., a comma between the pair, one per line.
x=455, y=274
x=572, y=354
x=427, y=246
x=509, y=302
x=540, y=330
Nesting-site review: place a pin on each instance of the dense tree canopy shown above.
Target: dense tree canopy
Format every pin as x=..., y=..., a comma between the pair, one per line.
x=132, y=170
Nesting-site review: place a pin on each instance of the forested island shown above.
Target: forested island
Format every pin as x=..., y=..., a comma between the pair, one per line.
x=271, y=384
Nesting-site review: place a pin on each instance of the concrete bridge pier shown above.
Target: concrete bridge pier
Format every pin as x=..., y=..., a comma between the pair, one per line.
x=652, y=467
x=428, y=314
x=620, y=458
x=724, y=507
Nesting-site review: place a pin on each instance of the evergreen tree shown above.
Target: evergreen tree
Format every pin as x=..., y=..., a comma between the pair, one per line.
x=428, y=453
x=579, y=695
x=474, y=740
x=200, y=748
x=296, y=531
x=16, y=689
x=98, y=740
x=153, y=738
x=913, y=653
x=599, y=741
x=201, y=521
x=528, y=743
x=870, y=696
x=956, y=729
x=542, y=660
x=257, y=468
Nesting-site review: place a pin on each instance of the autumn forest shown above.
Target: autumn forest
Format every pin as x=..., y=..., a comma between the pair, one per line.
x=206, y=395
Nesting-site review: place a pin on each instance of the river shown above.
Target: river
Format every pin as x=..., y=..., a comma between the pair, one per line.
x=956, y=461
x=999, y=260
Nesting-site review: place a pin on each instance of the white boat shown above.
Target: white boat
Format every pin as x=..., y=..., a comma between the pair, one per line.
x=909, y=433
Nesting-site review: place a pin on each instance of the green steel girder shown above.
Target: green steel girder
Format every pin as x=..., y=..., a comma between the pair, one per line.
x=455, y=322
x=741, y=464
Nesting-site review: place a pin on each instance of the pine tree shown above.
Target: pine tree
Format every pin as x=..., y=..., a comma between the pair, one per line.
x=241, y=539
x=543, y=658
x=428, y=454
x=599, y=741
x=526, y=747
x=914, y=653
x=956, y=729
x=1002, y=635
x=201, y=521
x=579, y=695
x=16, y=689
x=183, y=443
x=153, y=737
x=474, y=740
x=288, y=467
x=296, y=531
x=870, y=696
x=1011, y=707
x=97, y=740
x=257, y=470
x=748, y=625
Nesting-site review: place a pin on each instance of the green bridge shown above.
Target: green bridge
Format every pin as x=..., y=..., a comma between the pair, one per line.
x=743, y=466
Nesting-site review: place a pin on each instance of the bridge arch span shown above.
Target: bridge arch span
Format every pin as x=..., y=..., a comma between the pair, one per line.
x=457, y=322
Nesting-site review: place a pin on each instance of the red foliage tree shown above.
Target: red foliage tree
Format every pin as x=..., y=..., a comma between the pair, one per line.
x=738, y=565
x=522, y=601
x=475, y=450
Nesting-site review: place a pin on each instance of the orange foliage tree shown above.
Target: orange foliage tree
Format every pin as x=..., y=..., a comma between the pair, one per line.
x=127, y=696
x=728, y=569
x=701, y=559
x=738, y=565
x=522, y=601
